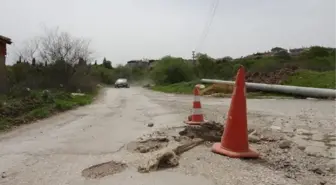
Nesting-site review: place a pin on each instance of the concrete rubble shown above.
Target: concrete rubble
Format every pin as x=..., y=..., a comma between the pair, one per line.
x=92, y=144
x=164, y=149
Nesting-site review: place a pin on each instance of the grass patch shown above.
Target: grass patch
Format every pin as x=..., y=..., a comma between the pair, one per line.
x=15, y=111
x=40, y=113
x=187, y=88
x=308, y=78
x=178, y=88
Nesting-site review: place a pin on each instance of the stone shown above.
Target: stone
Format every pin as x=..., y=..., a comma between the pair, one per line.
x=302, y=144
x=332, y=143
x=285, y=144
x=305, y=137
x=331, y=165
x=273, y=127
x=143, y=149
x=3, y=175
x=332, y=135
x=318, y=137
x=150, y=124
x=317, y=170
x=303, y=131
x=332, y=153
x=316, y=151
x=323, y=183
x=253, y=138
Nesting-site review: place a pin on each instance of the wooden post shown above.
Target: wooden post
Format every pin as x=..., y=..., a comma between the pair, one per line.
x=3, y=72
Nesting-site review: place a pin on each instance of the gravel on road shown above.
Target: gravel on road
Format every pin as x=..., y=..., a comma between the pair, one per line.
x=57, y=150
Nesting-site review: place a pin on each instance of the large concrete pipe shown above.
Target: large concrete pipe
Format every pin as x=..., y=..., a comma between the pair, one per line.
x=295, y=90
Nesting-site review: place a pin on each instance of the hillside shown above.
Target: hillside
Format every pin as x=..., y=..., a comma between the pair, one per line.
x=310, y=67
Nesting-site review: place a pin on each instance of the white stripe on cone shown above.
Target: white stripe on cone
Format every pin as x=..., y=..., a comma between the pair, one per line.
x=197, y=98
x=197, y=111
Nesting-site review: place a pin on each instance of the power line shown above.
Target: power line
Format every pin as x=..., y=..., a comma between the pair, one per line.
x=208, y=25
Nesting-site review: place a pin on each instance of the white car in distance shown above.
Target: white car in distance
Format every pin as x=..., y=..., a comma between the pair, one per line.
x=121, y=82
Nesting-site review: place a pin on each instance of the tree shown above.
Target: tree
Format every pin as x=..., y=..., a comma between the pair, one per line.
x=277, y=49
x=224, y=59
x=29, y=50
x=171, y=70
x=318, y=51
x=282, y=55
x=56, y=45
x=33, y=62
x=205, y=66
x=107, y=64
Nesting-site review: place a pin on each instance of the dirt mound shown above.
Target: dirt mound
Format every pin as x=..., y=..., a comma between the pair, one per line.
x=148, y=145
x=211, y=131
x=275, y=77
x=103, y=169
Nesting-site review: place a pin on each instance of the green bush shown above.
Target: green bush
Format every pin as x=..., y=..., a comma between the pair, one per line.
x=205, y=67
x=170, y=70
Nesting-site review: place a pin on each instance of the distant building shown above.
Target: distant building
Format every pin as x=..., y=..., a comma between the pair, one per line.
x=297, y=51
x=3, y=73
x=137, y=63
x=3, y=42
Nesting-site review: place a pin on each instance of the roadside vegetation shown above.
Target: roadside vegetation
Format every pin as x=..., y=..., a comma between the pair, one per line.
x=313, y=67
x=56, y=72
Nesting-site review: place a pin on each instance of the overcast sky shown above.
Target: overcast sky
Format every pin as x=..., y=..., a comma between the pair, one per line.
x=123, y=30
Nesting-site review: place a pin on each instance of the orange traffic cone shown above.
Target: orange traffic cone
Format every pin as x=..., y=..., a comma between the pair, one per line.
x=234, y=141
x=197, y=117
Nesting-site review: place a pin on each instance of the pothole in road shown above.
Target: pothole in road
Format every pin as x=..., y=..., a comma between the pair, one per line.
x=148, y=145
x=211, y=131
x=103, y=169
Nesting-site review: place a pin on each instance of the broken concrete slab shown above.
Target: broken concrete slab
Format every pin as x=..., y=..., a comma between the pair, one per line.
x=167, y=157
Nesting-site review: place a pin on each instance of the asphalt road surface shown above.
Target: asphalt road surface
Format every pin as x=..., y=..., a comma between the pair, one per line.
x=54, y=151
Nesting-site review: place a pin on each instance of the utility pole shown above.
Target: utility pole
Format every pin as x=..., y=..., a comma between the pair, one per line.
x=193, y=57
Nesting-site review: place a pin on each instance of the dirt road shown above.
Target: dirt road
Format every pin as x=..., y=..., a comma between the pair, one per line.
x=56, y=150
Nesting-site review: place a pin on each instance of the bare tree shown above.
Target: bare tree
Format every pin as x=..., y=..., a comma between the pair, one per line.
x=30, y=49
x=56, y=45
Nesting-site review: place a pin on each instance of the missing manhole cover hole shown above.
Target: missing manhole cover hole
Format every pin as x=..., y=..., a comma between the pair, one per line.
x=103, y=169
